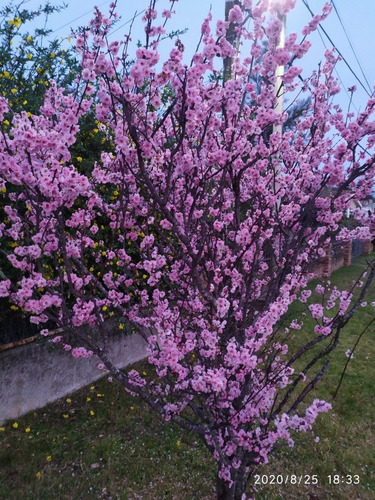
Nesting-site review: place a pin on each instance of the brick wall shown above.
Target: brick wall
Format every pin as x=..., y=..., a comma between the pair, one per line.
x=338, y=254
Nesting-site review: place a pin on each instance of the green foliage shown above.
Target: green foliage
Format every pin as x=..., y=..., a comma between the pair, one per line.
x=29, y=59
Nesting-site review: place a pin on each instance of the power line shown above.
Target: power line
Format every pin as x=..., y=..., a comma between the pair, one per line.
x=90, y=11
x=338, y=76
x=350, y=43
x=79, y=17
x=338, y=51
x=130, y=20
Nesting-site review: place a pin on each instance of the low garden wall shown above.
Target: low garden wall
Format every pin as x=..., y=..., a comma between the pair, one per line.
x=340, y=254
x=36, y=374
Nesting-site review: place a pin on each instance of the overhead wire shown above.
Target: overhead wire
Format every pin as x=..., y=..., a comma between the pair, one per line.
x=350, y=43
x=130, y=20
x=89, y=12
x=305, y=2
x=338, y=74
x=79, y=17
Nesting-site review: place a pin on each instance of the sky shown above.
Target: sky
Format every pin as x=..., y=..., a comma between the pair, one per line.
x=357, y=17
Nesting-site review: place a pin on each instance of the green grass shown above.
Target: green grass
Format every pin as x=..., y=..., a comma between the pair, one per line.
x=101, y=443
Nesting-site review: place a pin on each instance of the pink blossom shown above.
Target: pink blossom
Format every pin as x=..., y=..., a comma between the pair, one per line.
x=235, y=15
x=222, y=305
x=4, y=288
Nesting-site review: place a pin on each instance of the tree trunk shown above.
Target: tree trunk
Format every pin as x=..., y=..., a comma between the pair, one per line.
x=235, y=492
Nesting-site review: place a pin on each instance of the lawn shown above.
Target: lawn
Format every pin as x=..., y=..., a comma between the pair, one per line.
x=101, y=443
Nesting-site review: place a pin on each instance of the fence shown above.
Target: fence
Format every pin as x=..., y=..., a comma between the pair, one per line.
x=357, y=248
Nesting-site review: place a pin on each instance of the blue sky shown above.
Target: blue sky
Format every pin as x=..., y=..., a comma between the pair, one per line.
x=357, y=17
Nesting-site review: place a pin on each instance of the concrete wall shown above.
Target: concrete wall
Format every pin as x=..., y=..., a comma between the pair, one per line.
x=36, y=374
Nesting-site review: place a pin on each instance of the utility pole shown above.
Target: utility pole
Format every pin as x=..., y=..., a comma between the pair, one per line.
x=279, y=75
x=231, y=37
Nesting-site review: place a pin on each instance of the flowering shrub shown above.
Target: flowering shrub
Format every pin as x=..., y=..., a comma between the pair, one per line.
x=197, y=225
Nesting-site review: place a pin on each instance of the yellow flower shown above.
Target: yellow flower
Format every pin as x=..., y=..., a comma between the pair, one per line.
x=68, y=400
x=121, y=326
x=65, y=415
x=178, y=443
x=14, y=91
x=92, y=413
x=132, y=407
x=38, y=474
x=2, y=429
x=99, y=395
x=11, y=22
x=88, y=399
x=27, y=429
x=15, y=425
x=24, y=102
x=6, y=122
x=29, y=38
x=92, y=388
x=104, y=308
x=29, y=56
x=53, y=55
x=49, y=458
x=79, y=158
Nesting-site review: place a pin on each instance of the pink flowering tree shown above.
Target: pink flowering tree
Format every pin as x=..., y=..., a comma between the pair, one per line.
x=198, y=225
